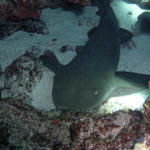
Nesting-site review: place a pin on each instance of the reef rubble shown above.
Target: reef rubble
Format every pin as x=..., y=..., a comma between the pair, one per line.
x=25, y=79
x=24, y=127
x=24, y=15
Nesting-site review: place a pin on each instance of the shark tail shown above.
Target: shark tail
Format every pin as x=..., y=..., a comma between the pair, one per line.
x=132, y=80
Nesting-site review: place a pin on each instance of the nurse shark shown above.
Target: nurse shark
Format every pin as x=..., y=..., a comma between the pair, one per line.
x=91, y=76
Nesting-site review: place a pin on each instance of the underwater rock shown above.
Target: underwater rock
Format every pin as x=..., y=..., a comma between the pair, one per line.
x=143, y=137
x=143, y=143
x=23, y=127
x=147, y=109
x=145, y=4
x=27, y=79
x=75, y=5
x=144, y=22
x=29, y=25
x=25, y=9
x=24, y=15
x=31, y=9
x=19, y=9
x=110, y=132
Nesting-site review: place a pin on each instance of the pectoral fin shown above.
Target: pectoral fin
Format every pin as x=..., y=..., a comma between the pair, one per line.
x=50, y=61
x=133, y=80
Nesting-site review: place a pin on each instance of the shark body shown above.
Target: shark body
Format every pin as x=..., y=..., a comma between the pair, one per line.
x=91, y=76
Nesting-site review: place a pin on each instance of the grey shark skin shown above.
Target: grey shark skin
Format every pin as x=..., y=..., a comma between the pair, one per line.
x=91, y=76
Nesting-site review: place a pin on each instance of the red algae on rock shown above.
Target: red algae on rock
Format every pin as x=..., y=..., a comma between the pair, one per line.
x=24, y=127
x=21, y=76
x=110, y=132
x=146, y=106
x=143, y=138
x=25, y=78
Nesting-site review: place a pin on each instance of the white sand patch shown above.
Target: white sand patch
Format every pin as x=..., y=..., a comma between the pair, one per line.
x=136, y=59
x=126, y=13
x=124, y=99
x=62, y=25
x=42, y=94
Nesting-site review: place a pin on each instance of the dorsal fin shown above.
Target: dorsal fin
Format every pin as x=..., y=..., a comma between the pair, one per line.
x=50, y=61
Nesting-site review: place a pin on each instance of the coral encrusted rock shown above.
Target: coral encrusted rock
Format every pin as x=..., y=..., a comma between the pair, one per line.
x=110, y=132
x=23, y=127
x=27, y=79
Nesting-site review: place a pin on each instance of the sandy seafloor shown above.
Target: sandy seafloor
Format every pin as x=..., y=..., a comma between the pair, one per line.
x=64, y=26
